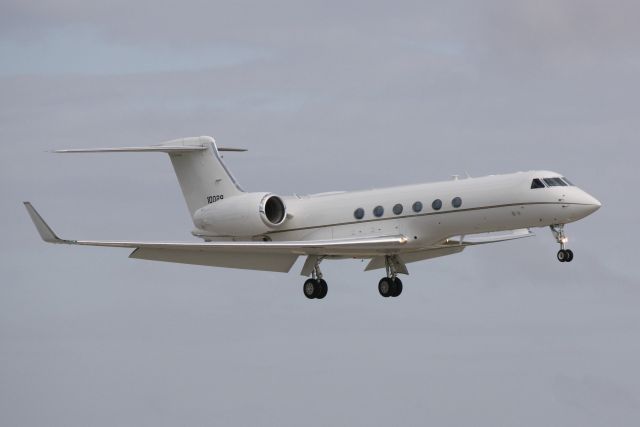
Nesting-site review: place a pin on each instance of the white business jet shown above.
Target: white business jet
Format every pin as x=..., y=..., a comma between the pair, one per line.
x=389, y=227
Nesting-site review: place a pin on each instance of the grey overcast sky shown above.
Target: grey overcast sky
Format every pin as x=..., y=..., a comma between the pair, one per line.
x=326, y=96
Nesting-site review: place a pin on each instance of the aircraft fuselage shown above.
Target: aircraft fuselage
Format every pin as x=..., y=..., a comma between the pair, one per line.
x=487, y=204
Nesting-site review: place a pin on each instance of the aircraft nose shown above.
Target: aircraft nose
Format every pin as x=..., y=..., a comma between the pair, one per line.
x=590, y=203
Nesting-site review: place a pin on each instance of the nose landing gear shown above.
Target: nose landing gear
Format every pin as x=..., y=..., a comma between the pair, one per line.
x=564, y=255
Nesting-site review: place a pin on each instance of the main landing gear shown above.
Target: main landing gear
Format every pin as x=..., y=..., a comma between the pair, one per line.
x=315, y=287
x=391, y=285
x=564, y=255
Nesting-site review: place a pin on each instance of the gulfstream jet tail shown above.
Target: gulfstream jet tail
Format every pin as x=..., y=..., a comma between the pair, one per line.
x=203, y=176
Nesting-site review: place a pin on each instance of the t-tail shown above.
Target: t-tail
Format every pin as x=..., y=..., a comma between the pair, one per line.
x=203, y=176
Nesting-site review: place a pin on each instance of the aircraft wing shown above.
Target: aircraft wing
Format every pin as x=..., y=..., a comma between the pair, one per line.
x=270, y=256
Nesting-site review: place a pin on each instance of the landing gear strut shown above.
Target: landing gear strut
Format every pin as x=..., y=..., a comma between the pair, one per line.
x=315, y=287
x=391, y=285
x=564, y=255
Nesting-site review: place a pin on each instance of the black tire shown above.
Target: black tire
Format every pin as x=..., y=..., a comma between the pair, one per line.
x=322, y=289
x=562, y=255
x=397, y=287
x=310, y=288
x=569, y=255
x=385, y=287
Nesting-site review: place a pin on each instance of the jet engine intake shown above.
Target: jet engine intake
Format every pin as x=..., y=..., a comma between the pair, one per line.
x=273, y=209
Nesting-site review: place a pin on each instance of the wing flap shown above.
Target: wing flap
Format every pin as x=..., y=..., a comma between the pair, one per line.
x=247, y=261
x=405, y=258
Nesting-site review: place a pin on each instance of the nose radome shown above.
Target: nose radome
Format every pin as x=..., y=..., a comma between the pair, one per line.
x=591, y=203
x=595, y=202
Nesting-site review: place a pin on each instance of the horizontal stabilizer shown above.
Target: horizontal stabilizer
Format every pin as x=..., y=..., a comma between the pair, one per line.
x=151, y=149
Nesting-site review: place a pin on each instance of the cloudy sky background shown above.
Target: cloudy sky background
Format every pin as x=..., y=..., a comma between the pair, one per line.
x=326, y=96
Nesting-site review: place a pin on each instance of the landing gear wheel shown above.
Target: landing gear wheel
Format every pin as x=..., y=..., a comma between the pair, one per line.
x=569, y=255
x=385, y=287
x=310, y=288
x=565, y=255
x=315, y=288
x=562, y=255
x=322, y=289
x=396, y=288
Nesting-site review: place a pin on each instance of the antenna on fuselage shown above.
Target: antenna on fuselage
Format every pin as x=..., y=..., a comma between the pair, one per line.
x=457, y=177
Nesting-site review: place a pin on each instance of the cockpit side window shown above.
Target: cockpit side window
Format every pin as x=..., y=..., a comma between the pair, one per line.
x=536, y=183
x=555, y=182
x=568, y=182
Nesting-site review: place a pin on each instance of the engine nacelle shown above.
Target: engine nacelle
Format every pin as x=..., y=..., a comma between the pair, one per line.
x=248, y=214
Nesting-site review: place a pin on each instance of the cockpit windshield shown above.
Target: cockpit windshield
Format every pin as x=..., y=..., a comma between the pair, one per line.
x=550, y=182
x=536, y=183
x=555, y=182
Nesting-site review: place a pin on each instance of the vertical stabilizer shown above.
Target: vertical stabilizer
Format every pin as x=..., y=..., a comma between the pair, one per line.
x=203, y=176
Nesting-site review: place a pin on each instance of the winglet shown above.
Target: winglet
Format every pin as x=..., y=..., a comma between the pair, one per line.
x=45, y=231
